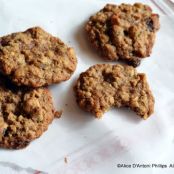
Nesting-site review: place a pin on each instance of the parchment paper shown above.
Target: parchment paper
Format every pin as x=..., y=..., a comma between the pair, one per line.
x=93, y=146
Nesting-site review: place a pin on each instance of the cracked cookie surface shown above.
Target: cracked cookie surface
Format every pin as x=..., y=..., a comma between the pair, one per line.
x=124, y=32
x=104, y=86
x=24, y=114
x=35, y=58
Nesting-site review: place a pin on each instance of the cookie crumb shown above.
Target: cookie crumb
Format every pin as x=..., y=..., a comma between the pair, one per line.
x=66, y=160
x=58, y=114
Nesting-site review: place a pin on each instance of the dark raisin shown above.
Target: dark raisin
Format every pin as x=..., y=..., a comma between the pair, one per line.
x=108, y=77
x=4, y=42
x=134, y=62
x=3, y=133
x=150, y=24
x=126, y=33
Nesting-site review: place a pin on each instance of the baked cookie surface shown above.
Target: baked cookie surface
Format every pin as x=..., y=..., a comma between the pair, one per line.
x=24, y=114
x=35, y=58
x=104, y=86
x=124, y=32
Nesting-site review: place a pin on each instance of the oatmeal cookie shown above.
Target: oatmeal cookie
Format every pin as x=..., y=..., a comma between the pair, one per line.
x=24, y=114
x=103, y=86
x=35, y=58
x=124, y=32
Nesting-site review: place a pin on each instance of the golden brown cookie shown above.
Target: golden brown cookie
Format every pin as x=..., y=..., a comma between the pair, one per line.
x=103, y=86
x=35, y=58
x=24, y=114
x=123, y=31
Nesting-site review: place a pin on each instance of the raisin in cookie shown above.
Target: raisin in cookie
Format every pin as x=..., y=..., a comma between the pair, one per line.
x=35, y=58
x=24, y=114
x=103, y=86
x=124, y=32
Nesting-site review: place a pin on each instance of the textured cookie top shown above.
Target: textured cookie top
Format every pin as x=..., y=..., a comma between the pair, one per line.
x=123, y=32
x=24, y=115
x=103, y=86
x=35, y=58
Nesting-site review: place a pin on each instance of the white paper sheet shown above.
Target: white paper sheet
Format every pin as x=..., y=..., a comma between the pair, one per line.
x=91, y=145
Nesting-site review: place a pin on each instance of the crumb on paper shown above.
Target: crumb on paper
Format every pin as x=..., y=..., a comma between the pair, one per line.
x=66, y=160
x=58, y=114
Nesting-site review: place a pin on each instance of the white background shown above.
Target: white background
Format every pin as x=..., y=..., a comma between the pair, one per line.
x=94, y=146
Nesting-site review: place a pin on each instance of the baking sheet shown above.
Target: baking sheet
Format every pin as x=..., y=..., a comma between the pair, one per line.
x=78, y=143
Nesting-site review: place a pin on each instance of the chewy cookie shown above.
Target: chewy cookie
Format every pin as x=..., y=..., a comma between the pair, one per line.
x=124, y=32
x=35, y=58
x=103, y=86
x=24, y=114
